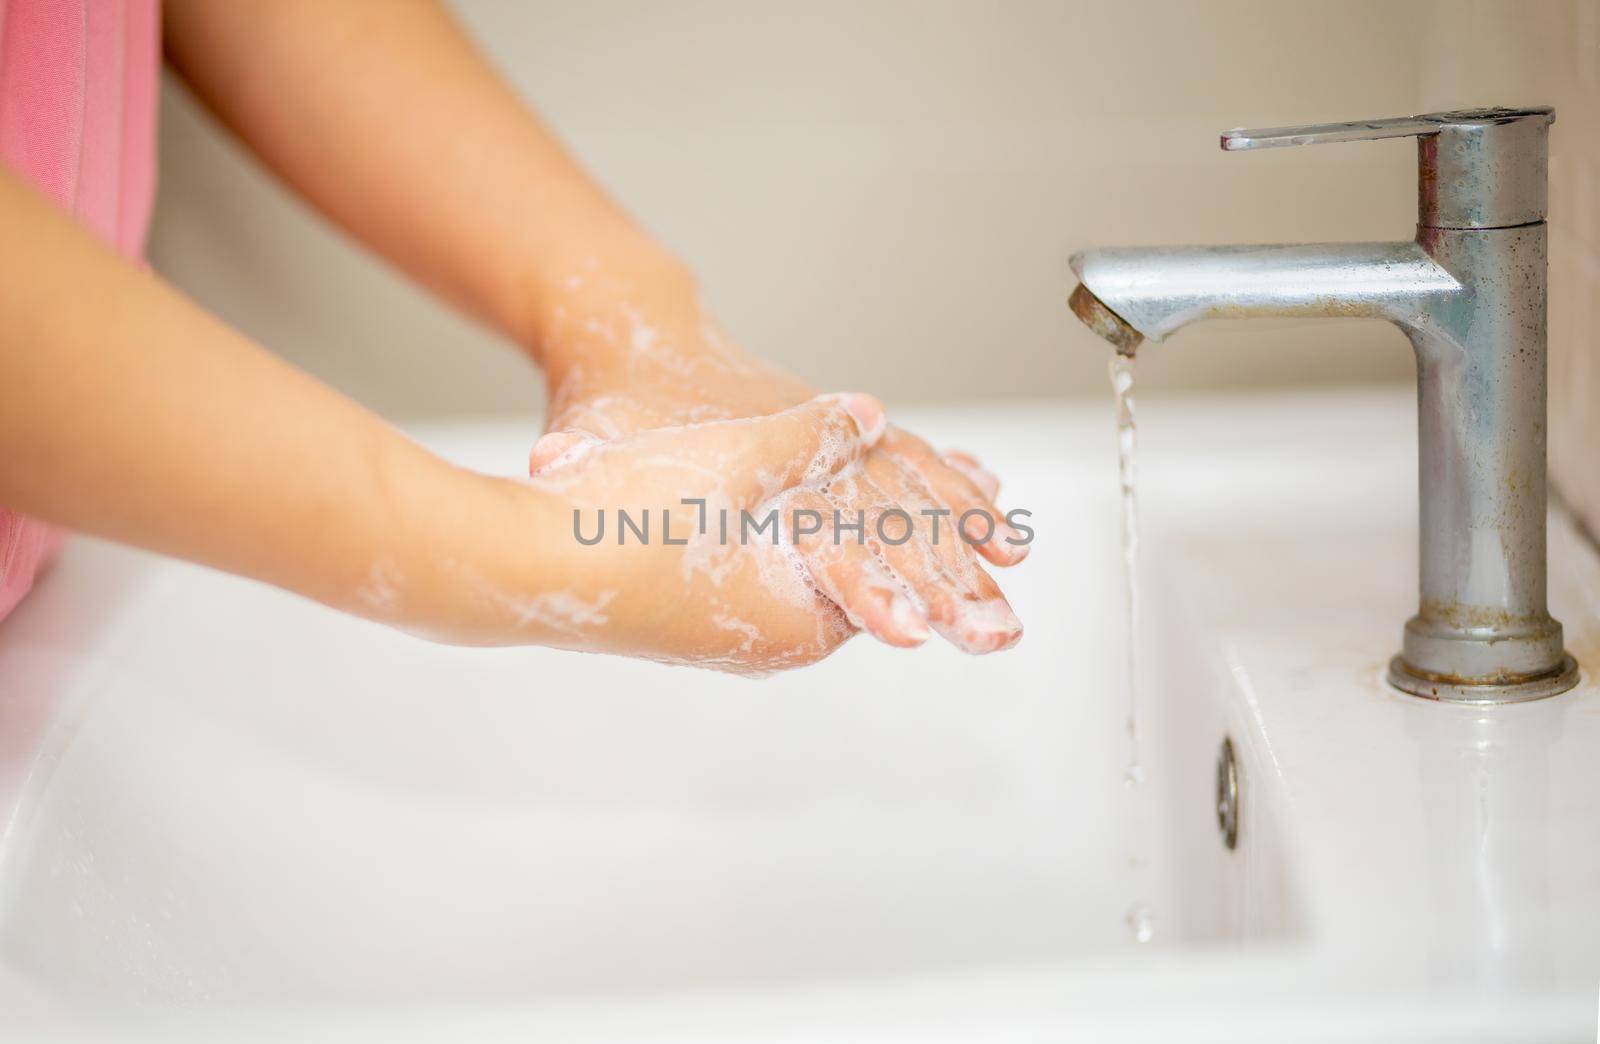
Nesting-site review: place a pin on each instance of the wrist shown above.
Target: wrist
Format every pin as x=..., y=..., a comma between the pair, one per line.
x=619, y=294
x=500, y=565
x=451, y=546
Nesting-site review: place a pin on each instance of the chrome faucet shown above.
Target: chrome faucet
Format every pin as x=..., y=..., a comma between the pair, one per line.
x=1469, y=292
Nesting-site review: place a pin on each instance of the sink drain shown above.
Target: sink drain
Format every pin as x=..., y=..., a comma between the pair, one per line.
x=1227, y=795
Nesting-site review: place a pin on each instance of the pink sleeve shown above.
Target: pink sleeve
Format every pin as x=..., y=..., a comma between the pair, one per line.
x=78, y=93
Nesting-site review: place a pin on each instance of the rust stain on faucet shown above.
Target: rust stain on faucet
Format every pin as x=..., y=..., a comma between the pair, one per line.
x=1473, y=617
x=1324, y=306
x=1104, y=322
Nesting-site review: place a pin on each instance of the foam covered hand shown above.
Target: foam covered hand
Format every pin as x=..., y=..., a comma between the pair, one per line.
x=626, y=353
x=678, y=584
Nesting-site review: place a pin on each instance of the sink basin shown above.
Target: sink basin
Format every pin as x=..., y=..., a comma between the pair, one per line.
x=231, y=811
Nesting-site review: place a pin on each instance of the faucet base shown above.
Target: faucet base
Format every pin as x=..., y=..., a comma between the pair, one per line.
x=1556, y=682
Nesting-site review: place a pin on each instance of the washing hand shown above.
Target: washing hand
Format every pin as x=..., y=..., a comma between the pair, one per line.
x=474, y=198
x=629, y=351
x=696, y=577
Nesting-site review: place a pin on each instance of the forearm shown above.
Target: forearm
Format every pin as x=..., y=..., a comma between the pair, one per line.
x=127, y=412
x=385, y=117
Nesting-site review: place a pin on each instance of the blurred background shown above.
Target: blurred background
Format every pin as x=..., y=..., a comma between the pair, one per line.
x=883, y=195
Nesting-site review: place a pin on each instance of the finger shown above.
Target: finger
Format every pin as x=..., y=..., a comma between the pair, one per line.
x=808, y=444
x=850, y=573
x=980, y=521
x=574, y=408
x=961, y=601
x=817, y=439
x=968, y=465
x=558, y=448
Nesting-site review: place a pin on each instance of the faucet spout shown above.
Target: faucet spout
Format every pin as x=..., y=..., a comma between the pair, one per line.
x=1154, y=291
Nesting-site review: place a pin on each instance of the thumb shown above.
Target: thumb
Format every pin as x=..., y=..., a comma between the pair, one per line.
x=558, y=448
x=809, y=443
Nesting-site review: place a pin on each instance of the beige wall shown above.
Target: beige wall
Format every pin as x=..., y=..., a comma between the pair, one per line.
x=880, y=195
x=883, y=195
x=1535, y=54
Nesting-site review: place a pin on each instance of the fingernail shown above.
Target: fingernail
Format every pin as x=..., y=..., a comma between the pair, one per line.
x=990, y=626
x=557, y=448
x=908, y=620
x=1011, y=542
x=996, y=534
x=869, y=415
x=1010, y=623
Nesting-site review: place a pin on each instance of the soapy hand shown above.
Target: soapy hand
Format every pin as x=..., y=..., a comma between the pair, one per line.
x=625, y=355
x=682, y=580
x=511, y=229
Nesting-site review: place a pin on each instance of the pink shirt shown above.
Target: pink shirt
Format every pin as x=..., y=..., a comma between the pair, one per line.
x=77, y=119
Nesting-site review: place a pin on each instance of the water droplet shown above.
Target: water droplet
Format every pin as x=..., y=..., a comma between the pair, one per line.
x=1140, y=923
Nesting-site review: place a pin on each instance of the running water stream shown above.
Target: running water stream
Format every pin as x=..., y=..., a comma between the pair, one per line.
x=1127, y=443
x=1140, y=819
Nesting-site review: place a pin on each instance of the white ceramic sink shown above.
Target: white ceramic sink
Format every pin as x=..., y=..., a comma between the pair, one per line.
x=234, y=812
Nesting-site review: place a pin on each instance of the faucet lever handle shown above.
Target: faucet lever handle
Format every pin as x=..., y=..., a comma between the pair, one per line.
x=1323, y=133
x=1471, y=121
